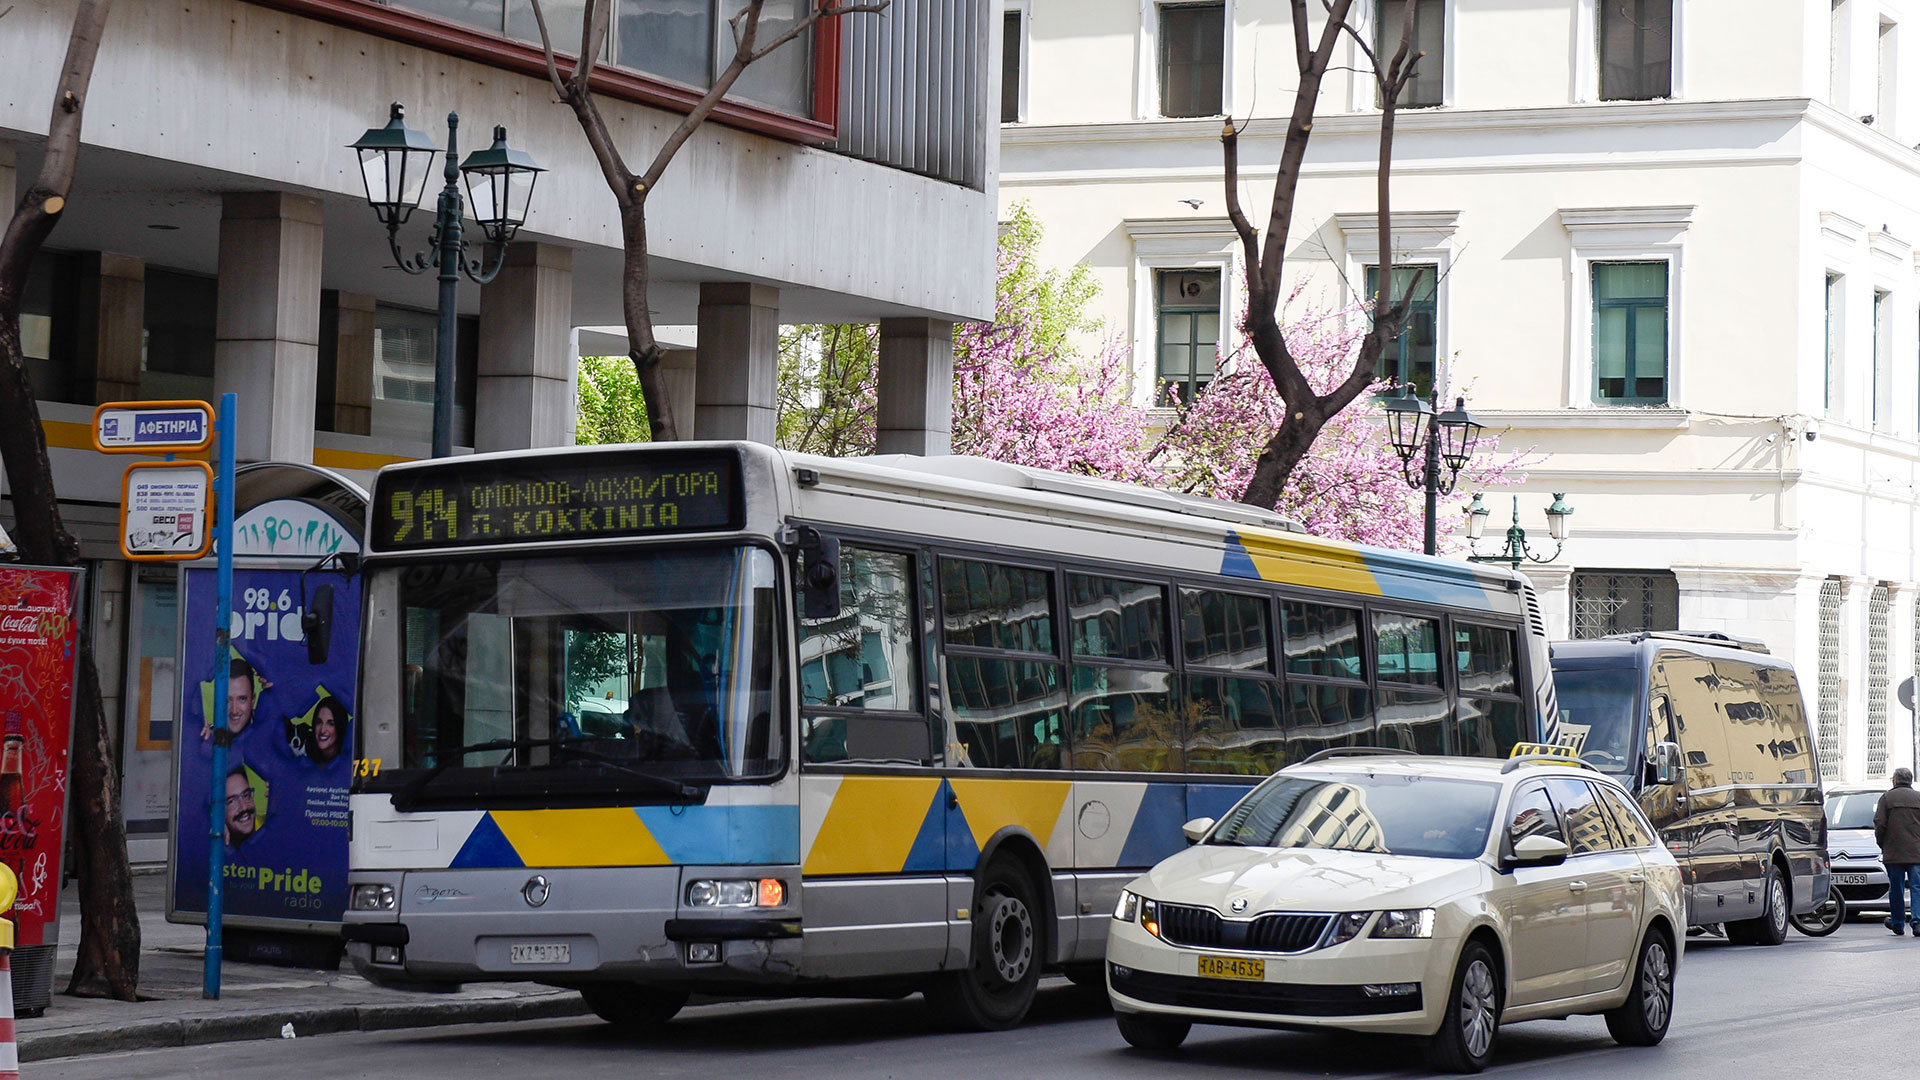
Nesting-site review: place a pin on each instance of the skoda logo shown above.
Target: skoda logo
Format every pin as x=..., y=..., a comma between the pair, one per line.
x=536, y=890
x=1239, y=905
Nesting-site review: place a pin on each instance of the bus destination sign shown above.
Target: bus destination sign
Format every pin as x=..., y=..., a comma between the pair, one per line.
x=552, y=498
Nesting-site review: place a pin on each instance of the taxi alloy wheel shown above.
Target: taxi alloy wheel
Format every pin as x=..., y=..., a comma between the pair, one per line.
x=1643, y=1019
x=1471, y=1024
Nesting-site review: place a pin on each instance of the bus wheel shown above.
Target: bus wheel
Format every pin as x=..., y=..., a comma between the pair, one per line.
x=996, y=989
x=635, y=1010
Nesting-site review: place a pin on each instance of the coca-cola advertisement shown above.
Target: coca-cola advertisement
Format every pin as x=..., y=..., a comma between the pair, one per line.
x=38, y=639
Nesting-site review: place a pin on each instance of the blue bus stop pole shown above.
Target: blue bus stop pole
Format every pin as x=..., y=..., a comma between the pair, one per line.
x=223, y=612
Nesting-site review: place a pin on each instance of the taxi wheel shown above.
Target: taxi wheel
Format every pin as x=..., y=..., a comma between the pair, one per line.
x=636, y=1010
x=995, y=990
x=1643, y=1018
x=1471, y=1024
x=1157, y=1033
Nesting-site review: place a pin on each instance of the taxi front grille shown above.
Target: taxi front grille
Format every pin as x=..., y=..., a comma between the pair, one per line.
x=1205, y=928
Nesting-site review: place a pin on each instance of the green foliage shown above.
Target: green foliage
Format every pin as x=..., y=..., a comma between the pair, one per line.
x=611, y=409
x=1050, y=306
x=827, y=386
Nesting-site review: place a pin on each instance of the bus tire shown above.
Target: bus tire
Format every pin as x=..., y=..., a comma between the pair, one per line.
x=635, y=1010
x=996, y=988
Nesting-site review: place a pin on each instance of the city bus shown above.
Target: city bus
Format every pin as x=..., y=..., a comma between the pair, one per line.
x=647, y=721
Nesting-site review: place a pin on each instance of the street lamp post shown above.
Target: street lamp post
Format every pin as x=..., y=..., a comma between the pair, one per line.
x=1417, y=427
x=395, y=162
x=1517, y=550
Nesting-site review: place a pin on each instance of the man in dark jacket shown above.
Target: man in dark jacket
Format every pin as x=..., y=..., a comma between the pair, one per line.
x=1896, y=825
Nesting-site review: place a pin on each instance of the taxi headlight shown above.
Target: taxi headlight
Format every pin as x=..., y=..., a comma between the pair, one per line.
x=1150, y=916
x=1347, y=927
x=372, y=898
x=1405, y=923
x=1128, y=909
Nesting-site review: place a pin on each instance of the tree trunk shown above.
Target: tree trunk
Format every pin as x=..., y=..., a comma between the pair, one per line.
x=643, y=349
x=109, y=955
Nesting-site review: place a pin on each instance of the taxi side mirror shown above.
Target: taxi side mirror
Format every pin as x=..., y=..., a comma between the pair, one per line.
x=1538, y=851
x=1195, y=829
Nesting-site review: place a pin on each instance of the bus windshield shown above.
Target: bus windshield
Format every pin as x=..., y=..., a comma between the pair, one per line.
x=597, y=672
x=1599, y=703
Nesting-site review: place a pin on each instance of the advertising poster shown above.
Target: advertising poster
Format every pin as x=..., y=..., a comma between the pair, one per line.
x=285, y=792
x=38, y=639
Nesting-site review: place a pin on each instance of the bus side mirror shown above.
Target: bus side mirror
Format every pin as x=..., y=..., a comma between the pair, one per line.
x=1664, y=763
x=819, y=574
x=316, y=624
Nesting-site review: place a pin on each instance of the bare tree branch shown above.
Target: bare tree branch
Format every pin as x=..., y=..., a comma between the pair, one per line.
x=546, y=50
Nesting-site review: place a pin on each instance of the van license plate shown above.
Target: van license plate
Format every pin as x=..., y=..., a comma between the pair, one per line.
x=561, y=953
x=1231, y=967
x=1849, y=879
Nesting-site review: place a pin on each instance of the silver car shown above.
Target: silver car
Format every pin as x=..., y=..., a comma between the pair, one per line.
x=1858, y=874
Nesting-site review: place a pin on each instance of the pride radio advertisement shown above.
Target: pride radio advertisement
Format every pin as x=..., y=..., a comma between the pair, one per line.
x=284, y=816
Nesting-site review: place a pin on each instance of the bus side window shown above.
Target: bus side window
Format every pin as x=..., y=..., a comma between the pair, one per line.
x=860, y=682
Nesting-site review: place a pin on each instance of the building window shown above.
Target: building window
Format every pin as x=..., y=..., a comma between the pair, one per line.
x=1830, y=689
x=1835, y=358
x=1624, y=602
x=1187, y=313
x=176, y=360
x=1636, y=49
x=403, y=375
x=1193, y=39
x=1427, y=87
x=49, y=318
x=1882, y=359
x=1012, y=48
x=1630, y=333
x=1410, y=357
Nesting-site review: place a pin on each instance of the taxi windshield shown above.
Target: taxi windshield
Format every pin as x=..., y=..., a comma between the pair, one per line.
x=1439, y=818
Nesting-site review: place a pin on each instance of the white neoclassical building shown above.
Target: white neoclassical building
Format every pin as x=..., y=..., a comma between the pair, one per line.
x=1675, y=251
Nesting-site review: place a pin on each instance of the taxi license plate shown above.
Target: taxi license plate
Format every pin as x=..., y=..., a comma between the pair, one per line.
x=546, y=953
x=1232, y=967
x=1849, y=879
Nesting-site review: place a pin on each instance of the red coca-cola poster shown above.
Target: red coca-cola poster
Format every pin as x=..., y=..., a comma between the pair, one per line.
x=38, y=640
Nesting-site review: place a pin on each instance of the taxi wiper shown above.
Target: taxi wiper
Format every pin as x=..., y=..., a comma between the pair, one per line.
x=406, y=797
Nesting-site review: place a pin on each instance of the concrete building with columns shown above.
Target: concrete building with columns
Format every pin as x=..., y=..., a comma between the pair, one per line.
x=1671, y=252
x=217, y=238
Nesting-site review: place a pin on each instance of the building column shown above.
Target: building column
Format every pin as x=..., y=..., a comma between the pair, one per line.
x=353, y=364
x=739, y=362
x=914, y=413
x=524, y=394
x=267, y=330
x=110, y=332
x=1853, y=669
x=680, y=374
x=1900, y=667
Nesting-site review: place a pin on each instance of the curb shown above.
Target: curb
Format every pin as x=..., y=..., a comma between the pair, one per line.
x=267, y=1023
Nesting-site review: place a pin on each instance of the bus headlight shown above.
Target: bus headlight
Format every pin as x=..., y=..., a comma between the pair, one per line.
x=372, y=898
x=736, y=892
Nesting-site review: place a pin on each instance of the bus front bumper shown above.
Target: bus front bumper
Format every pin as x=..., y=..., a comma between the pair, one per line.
x=570, y=926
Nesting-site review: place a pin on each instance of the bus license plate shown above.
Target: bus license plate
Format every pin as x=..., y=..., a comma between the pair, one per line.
x=545, y=953
x=1231, y=967
x=1849, y=879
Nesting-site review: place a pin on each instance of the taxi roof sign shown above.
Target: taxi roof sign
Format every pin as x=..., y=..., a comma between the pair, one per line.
x=152, y=427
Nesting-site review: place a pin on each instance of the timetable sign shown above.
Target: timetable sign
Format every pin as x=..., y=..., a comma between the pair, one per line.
x=165, y=510
x=152, y=427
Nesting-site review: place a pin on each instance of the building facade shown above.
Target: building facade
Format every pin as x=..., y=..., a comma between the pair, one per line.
x=218, y=238
x=1670, y=248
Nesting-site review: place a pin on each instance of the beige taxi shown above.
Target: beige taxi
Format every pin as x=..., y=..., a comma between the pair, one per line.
x=1423, y=896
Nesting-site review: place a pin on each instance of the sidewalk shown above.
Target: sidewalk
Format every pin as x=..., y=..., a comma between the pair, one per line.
x=256, y=1001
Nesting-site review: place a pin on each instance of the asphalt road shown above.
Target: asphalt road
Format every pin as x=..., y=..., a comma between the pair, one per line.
x=1845, y=1006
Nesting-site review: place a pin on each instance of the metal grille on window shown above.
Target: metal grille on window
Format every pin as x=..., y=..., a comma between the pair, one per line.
x=1624, y=602
x=1830, y=679
x=1879, y=605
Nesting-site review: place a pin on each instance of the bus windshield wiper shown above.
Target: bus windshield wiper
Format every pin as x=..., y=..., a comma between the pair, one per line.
x=407, y=796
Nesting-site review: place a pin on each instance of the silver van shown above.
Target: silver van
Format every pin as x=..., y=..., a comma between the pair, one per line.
x=1711, y=735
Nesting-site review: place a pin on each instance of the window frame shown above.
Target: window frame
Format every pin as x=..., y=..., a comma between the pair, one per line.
x=1633, y=305
x=1617, y=235
x=1192, y=312
x=1147, y=59
x=1023, y=58
x=1586, y=67
x=495, y=49
x=1384, y=49
x=1400, y=344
